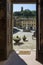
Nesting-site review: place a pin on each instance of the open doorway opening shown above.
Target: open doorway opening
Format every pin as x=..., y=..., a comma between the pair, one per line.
x=24, y=27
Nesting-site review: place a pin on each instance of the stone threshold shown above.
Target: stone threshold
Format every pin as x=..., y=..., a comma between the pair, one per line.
x=24, y=51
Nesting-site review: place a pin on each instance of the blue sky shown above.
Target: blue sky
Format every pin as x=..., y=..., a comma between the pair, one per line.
x=17, y=7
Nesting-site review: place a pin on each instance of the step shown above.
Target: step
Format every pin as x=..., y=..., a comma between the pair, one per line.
x=24, y=51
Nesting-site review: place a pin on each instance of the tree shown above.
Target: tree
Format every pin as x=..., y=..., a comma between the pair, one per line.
x=25, y=13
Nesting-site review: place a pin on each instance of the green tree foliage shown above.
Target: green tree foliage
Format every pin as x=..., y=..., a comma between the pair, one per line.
x=34, y=13
x=25, y=13
x=17, y=13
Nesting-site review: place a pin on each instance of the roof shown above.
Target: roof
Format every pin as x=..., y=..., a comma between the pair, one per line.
x=24, y=19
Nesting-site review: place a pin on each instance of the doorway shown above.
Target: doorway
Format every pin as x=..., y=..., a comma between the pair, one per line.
x=8, y=44
x=24, y=26
x=24, y=31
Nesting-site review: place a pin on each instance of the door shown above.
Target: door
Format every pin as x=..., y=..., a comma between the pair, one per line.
x=39, y=32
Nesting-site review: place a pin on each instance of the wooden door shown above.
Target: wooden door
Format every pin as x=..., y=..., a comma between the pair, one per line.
x=39, y=32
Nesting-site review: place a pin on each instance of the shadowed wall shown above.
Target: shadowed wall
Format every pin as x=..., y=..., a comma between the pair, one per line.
x=2, y=29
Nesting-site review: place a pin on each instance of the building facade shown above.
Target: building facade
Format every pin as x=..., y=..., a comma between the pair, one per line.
x=29, y=23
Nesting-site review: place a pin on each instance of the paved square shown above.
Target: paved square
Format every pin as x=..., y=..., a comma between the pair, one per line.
x=29, y=44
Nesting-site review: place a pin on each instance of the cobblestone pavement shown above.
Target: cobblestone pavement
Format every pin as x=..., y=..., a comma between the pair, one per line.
x=29, y=44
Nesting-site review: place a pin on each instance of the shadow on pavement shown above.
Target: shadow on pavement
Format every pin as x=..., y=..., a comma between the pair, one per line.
x=14, y=59
x=20, y=43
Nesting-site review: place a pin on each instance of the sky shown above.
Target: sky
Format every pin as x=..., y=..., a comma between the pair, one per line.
x=17, y=7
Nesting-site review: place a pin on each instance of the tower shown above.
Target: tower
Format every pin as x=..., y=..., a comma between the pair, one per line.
x=21, y=9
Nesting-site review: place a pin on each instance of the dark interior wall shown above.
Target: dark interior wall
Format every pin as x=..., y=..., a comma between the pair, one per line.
x=2, y=29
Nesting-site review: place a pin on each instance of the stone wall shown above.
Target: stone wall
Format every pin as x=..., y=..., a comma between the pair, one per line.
x=9, y=27
x=5, y=29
